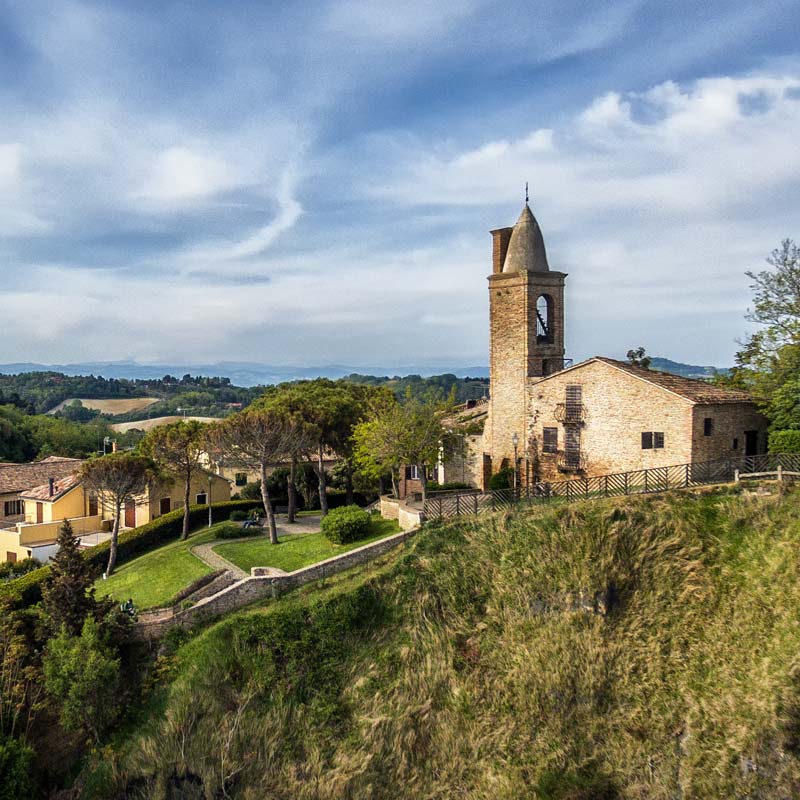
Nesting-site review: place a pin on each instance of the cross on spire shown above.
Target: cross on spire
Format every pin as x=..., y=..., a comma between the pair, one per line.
x=526, y=192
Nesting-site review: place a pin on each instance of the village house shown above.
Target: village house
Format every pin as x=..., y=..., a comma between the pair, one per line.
x=549, y=419
x=46, y=506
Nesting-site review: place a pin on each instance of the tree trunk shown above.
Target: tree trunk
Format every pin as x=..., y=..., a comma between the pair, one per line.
x=348, y=483
x=394, y=485
x=187, y=489
x=273, y=530
x=112, y=550
x=423, y=479
x=292, y=490
x=381, y=485
x=323, y=494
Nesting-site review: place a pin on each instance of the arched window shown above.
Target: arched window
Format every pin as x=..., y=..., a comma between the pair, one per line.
x=544, y=319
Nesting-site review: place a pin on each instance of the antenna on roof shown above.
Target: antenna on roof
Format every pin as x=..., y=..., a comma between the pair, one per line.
x=526, y=192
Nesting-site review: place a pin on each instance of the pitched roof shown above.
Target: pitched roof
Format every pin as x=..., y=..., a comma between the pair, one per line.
x=526, y=251
x=60, y=488
x=697, y=391
x=19, y=477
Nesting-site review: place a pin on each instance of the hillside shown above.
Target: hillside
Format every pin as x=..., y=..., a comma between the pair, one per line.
x=645, y=647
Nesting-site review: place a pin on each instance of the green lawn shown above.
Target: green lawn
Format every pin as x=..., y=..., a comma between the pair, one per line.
x=153, y=578
x=299, y=550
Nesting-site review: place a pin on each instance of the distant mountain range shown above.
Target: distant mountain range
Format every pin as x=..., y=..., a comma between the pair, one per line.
x=246, y=373
x=241, y=373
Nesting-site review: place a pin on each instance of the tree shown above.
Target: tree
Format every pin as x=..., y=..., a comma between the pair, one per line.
x=638, y=358
x=259, y=438
x=768, y=364
x=179, y=449
x=68, y=594
x=410, y=434
x=82, y=675
x=116, y=479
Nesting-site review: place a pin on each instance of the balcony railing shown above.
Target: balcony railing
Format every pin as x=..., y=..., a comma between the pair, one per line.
x=570, y=412
x=571, y=461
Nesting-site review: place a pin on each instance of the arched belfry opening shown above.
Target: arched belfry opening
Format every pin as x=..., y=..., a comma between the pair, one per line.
x=545, y=320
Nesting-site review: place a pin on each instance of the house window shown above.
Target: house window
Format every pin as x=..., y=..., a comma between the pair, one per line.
x=735, y=444
x=11, y=556
x=574, y=394
x=14, y=508
x=202, y=499
x=652, y=440
x=164, y=505
x=412, y=473
x=93, y=507
x=241, y=478
x=549, y=440
x=708, y=426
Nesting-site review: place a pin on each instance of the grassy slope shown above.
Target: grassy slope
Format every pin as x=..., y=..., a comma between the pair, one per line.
x=298, y=550
x=440, y=676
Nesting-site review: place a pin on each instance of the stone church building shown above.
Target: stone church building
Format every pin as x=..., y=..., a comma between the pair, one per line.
x=597, y=417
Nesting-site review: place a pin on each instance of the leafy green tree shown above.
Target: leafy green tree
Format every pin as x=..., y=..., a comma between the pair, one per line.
x=638, y=358
x=179, y=449
x=259, y=438
x=82, y=675
x=68, y=594
x=116, y=479
x=16, y=770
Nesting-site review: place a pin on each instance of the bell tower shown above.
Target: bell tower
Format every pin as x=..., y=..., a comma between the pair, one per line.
x=526, y=331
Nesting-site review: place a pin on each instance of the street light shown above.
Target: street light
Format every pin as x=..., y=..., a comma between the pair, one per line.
x=515, y=442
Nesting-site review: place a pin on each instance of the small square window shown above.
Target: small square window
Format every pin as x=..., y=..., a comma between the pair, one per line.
x=647, y=440
x=658, y=440
x=202, y=499
x=241, y=478
x=708, y=426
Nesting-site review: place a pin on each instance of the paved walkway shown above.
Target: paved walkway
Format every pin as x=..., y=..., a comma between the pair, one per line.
x=205, y=552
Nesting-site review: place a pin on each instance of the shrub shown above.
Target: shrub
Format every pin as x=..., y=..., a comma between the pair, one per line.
x=337, y=498
x=450, y=486
x=238, y=516
x=346, y=524
x=233, y=531
x=16, y=767
x=27, y=590
x=784, y=442
x=504, y=479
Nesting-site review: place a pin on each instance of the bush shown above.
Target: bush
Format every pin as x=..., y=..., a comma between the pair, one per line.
x=16, y=767
x=27, y=590
x=784, y=442
x=346, y=524
x=451, y=486
x=504, y=479
x=238, y=516
x=233, y=531
x=337, y=498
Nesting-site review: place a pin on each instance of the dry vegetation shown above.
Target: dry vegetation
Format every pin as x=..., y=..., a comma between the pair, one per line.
x=121, y=405
x=149, y=424
x=459, y=670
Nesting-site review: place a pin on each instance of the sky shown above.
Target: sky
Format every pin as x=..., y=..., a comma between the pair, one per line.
x=314, y=183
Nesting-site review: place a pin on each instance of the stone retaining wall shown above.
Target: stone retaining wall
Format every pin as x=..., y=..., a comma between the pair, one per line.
x=259, y=586
x=408, y=517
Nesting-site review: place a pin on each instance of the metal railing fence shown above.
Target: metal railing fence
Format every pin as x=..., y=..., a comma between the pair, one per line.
x=654, y=479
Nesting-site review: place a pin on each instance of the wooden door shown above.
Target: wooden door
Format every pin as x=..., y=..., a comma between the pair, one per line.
x=39, y=512
x=130, y=515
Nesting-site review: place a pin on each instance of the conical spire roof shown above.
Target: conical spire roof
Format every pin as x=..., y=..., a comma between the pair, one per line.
x=526, y=251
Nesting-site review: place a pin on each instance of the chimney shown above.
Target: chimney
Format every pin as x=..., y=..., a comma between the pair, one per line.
x=51, y=482
x=500, y=239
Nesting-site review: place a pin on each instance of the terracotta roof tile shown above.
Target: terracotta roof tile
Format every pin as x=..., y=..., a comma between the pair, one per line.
x=60, y=488
x=697, y=391
x=19, y=477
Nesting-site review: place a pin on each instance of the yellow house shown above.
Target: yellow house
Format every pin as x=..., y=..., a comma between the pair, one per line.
x=48, y=505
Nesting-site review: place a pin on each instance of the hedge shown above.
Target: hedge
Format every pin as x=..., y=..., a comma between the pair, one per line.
x=27, y=590
x=784, y=442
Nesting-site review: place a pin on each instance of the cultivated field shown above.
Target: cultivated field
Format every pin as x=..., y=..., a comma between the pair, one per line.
x=120, y=405
x=149, y=424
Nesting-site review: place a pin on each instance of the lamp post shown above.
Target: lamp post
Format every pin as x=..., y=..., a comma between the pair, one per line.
x=515, y=442
x=208, y=497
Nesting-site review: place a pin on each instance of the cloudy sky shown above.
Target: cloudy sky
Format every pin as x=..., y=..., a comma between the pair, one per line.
x=311, y=183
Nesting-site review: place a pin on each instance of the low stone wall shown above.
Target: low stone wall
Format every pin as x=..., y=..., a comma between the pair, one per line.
x=259, y=586
x=408, y=518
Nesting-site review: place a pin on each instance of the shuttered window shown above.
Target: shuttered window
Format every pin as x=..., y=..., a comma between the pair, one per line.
x=549, y=440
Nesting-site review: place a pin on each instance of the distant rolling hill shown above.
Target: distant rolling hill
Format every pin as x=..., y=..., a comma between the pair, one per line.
x=687, y=370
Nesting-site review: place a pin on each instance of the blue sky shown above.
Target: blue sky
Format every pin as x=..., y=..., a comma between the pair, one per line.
x=313, y=183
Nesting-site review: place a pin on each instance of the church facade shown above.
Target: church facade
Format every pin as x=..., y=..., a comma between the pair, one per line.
x=550, y=419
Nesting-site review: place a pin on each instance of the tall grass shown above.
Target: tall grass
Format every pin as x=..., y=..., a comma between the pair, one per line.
x=469, y=669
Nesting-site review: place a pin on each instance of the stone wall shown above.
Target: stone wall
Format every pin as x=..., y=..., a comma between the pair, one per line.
x=408, y=517
x=730, y=421
x=259, y=587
